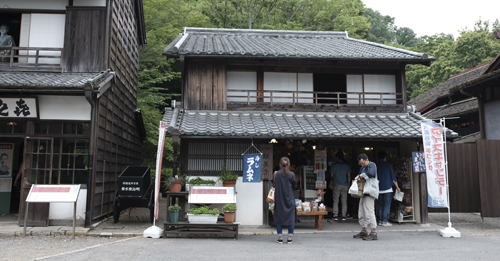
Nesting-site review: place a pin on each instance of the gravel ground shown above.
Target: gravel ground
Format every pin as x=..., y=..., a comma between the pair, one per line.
x=30, y=248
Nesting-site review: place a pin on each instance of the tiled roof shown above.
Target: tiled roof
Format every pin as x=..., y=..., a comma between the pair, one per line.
x=297, y=124
x=285, y=44
x=454, y=109
x=468, y=138
x=56, y=81
x=444, y=88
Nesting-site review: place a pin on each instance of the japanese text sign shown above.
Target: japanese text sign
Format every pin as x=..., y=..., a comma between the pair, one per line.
x=251, y=167
x=19, y=108
x=435, y=164
x=53, y=193
x=417, y=158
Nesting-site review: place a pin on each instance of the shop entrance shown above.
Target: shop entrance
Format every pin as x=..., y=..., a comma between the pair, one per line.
x=302, y=159
x=11, y=155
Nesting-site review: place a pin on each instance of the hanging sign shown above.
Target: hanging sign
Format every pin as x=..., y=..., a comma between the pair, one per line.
x=251, y=167
x=19, y=108
x=434, y=164
x=267, y=161
x=418, y=161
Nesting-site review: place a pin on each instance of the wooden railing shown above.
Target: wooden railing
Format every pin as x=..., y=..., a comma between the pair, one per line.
x=30, y=57
x=266, y=97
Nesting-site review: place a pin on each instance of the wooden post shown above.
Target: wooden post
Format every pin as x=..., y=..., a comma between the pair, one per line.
x=423, y=198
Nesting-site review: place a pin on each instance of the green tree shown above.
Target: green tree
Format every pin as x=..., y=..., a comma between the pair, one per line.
x=382, y=27
x=159, y=78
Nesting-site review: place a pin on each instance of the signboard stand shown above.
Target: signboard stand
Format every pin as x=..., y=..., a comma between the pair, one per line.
x=52, y=193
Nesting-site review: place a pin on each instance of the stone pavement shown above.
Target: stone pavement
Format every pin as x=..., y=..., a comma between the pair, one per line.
x=134, y=221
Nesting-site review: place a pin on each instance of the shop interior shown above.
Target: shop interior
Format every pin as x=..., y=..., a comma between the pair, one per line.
x=302, y=158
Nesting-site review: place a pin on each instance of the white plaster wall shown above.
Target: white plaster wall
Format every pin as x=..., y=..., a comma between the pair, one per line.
x=249, y=202
x=49, y=4
x=47, y=30
x=54, y=107
x=64, y=211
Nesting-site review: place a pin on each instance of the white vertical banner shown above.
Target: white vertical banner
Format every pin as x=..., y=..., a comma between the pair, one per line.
x=434, y=153
x=159, y=156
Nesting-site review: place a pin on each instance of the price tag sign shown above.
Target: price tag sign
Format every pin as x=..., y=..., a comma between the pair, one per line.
x=53, y=193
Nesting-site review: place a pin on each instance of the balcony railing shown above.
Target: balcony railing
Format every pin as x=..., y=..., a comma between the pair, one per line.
x=266, y=97
x=33, y=58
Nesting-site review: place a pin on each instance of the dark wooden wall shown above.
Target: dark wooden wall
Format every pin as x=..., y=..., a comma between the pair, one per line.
x=118, y=142
x=205, y=86
x=84, y=40
x=488, y=153
x=463, y=178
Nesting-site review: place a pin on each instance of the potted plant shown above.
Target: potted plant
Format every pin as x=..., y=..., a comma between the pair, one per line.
x=201, y=182
x=173, y=213
x=229, y=210
x=175, y=182
x=203, y=214
x=227, y=177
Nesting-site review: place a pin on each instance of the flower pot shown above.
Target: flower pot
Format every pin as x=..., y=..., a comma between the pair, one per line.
x=229, y=217
x=228, y=183
x=202, y=219
x=176, y=187
x=173, y=216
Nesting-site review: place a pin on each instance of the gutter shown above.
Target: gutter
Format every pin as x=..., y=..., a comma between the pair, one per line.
x=106, y=42
x=89, y=91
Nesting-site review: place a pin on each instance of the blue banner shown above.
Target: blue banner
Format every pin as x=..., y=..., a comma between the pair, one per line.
x=418, y=160
x=251, y=167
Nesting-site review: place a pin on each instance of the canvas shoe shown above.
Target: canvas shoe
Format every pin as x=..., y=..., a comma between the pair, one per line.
x=289, y=241
x=343, y=219
x=386, y=224
x=336, y=218
x=380, y=223
x=361, y=235
x=280, y=241
x=372, y=236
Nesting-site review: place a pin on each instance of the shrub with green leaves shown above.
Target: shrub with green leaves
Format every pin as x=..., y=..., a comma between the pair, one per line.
x=229, y=208
x=226, y=175
x=174, y=208
x=199, y=181
x=204, y=210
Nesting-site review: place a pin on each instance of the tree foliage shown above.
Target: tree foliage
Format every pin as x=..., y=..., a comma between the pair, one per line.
x=470, y=49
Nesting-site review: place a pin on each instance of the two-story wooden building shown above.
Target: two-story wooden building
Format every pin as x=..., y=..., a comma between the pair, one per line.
x=304, y=90
x=68, y=88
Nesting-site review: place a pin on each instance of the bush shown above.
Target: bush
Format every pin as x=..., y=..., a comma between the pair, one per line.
x=204, y=210
x=229, y=208
x=200, y=181
x=174, y=208
x=226, y=175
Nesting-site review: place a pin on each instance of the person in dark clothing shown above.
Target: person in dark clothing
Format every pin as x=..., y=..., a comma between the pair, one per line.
x=386, y=177
x=285, y=213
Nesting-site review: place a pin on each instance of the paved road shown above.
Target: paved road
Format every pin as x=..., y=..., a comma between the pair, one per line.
x=339, y=246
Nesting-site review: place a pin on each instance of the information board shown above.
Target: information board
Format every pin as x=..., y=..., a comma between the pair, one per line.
x=53, y=193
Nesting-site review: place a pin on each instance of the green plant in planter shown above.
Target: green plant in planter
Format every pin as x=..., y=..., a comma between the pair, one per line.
x=229, y=207
x=204, y=210
x=226, y=175
x=170, y=180
x=199, y=181
x=174, y=208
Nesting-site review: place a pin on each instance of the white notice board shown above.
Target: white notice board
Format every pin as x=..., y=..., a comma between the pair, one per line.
x=53, y=193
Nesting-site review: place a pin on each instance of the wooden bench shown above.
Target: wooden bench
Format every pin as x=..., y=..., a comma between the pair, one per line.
x=318, y=217
x=184, y=228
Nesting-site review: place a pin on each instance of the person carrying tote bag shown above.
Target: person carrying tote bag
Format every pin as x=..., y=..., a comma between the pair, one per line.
x=366, y=212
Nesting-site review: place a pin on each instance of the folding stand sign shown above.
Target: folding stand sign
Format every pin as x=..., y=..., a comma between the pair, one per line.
x=53, y=193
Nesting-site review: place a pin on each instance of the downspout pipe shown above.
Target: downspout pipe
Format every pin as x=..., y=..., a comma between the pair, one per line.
x=107, y=37
x=89, y=91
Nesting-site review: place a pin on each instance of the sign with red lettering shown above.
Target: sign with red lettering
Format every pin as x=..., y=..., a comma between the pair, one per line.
x=432, y=136
x=53, y=193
